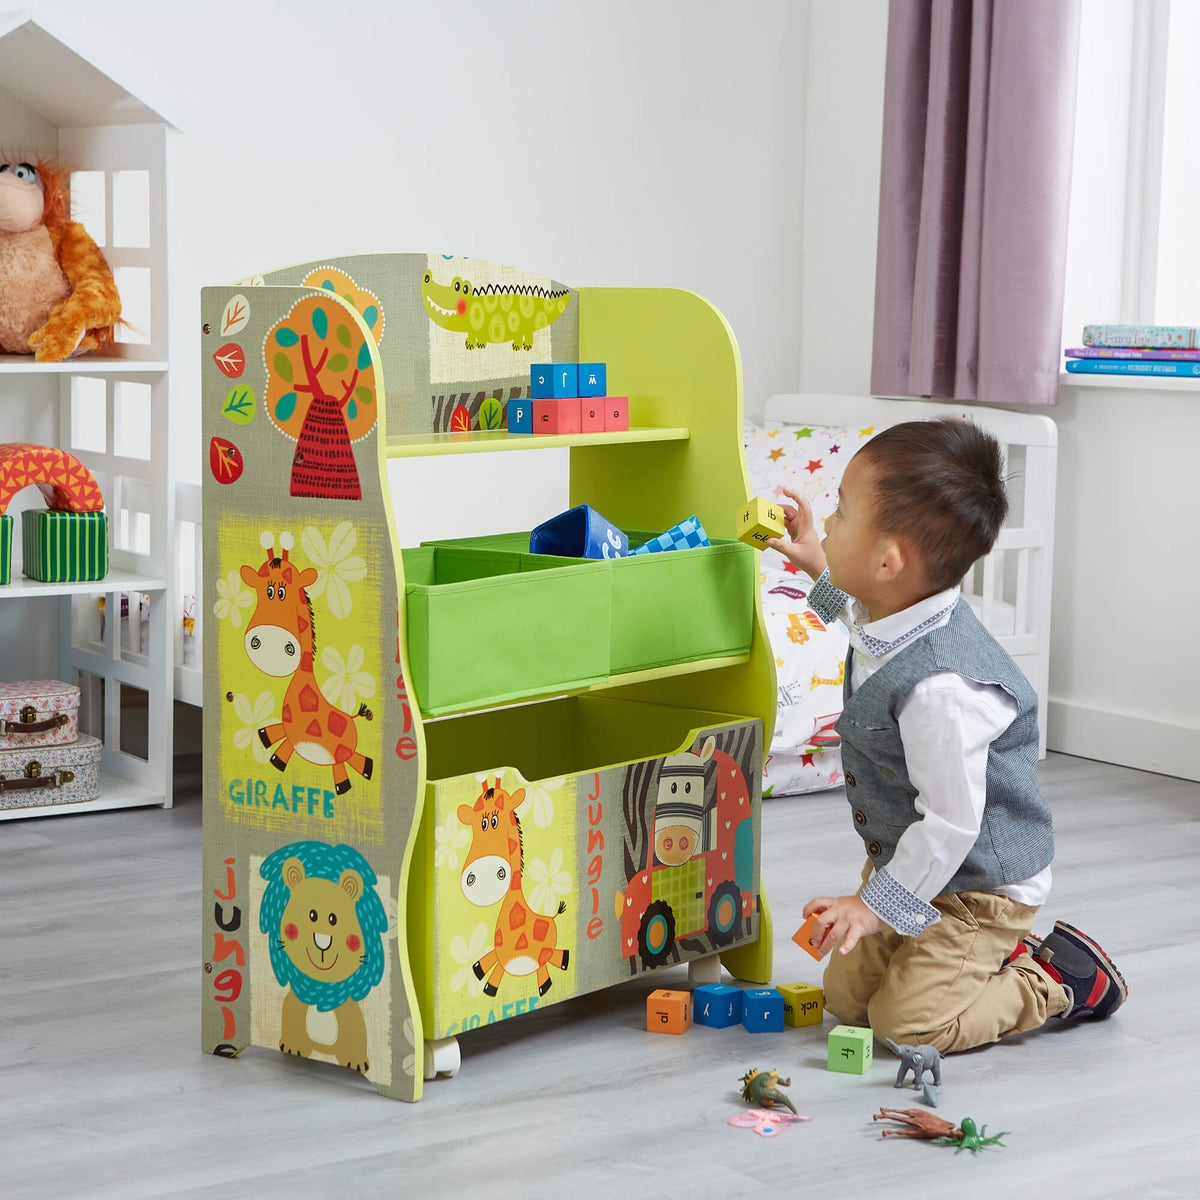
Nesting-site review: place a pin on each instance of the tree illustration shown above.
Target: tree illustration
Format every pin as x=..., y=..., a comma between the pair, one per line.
x=321, y=392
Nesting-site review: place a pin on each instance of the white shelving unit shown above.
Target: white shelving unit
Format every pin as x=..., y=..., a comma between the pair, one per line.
x=111, y=411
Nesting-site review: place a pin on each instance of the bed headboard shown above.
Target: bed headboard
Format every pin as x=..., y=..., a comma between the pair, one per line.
x=1009, y=588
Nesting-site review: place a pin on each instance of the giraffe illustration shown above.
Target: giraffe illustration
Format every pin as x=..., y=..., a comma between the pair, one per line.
x=524, y=941
x=837, y=680
x=281, y=642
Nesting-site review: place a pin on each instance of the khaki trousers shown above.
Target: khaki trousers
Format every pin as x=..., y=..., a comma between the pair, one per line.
x=949, y=986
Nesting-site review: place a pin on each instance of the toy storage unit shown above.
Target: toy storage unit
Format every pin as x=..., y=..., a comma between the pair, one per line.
x=451, y=783
x=110, y=411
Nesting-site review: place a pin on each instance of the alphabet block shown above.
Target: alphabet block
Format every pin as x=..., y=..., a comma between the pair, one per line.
x=668, y=1012
x=566, y=379
x=616, y=413
x=591, y=414
x=759, y=520
x=520, y=416
x=850, y=1049
x=762, y=1010
x=802, y=937
x=593, y=379
x=717, y=1004
x=803, y=1004
x=541, y=380
x=556, y=415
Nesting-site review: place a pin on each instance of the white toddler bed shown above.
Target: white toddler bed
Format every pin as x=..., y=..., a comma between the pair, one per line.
x=804, y=444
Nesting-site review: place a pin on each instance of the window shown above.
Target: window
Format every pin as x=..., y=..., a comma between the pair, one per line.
x=1133, y=247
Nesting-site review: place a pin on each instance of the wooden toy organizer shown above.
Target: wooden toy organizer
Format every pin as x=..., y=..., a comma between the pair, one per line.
x=346, y=827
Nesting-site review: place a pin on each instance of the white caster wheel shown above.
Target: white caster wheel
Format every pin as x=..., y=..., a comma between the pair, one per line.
x=441, y=1057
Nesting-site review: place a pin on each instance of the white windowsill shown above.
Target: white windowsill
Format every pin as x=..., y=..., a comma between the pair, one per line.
x=1138, y=383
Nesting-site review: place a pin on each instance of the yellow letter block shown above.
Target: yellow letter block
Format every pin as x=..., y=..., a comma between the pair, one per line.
x=759, y=520
x=803, y=1003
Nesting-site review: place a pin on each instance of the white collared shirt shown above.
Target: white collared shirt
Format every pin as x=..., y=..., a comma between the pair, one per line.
x=946, y=726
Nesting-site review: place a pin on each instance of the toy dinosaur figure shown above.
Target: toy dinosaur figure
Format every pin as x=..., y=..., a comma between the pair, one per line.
x=762, y=1087
x=922, y=1124
x=57, y=294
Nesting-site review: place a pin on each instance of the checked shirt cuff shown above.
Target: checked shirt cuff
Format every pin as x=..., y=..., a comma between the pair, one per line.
x=826, y=600
x=892, y=902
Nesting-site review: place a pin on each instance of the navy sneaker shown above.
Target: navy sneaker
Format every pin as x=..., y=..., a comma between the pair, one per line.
x=1030, y=944
x=1094, y=985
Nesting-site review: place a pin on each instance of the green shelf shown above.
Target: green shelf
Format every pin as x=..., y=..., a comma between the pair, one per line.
x=480, y=440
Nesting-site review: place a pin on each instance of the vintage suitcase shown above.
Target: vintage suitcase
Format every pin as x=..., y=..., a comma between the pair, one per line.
x=38, y=775
x=41, y=712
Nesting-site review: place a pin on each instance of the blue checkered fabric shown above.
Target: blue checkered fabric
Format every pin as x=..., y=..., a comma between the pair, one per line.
x=687, y=535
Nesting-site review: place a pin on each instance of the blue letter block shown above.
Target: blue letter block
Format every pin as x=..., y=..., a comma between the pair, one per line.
x=520, y=416
x=541, y=381
x=717, y=1004
x=593, y=379
x=762, y=1010
x=566, y=379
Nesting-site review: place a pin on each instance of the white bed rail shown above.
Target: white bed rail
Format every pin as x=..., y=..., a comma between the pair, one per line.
x=186, y=588
x=1009, y=589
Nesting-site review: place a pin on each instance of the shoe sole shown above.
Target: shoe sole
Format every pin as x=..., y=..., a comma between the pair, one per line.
x=1085, y=942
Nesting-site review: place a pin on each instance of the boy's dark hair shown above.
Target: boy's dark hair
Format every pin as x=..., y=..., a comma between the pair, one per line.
x=939, y=485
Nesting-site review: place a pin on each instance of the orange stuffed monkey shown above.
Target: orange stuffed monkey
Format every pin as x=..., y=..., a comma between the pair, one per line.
x=57, y=295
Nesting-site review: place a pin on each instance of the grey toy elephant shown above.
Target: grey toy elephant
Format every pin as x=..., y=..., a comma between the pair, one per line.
x=917, y=1059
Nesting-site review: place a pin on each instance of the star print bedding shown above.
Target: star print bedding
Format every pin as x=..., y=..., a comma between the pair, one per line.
x=809, y=657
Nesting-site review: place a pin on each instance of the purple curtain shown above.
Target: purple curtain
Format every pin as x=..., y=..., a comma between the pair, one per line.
x=979, y=118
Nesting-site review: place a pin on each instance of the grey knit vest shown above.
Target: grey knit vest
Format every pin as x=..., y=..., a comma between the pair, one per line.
x=1016, y=839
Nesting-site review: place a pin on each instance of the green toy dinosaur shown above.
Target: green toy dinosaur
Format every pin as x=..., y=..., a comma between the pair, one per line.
x=762, y=1087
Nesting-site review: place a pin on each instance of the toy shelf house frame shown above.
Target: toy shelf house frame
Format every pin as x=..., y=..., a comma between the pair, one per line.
x=111, y=411
x=465, y=680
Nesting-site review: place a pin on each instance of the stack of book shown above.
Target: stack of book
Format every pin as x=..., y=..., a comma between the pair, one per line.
x=1137, y=350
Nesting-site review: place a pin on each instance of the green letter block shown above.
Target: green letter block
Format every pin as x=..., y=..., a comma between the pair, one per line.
x=849, y=1049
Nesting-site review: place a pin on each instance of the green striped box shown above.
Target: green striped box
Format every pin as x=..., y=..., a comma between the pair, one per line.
x=64, y=547
x=6, y=532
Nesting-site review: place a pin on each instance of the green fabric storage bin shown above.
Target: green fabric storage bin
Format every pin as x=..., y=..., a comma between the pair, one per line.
x=681, y=606
x=486, y=628
x=6, y=534
x=676, y=607
x=64, y=547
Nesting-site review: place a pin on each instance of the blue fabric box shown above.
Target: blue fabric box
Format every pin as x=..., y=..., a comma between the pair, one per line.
x=687, y=535
x=580, y=532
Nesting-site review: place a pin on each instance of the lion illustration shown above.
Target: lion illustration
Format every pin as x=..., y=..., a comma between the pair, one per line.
x=326, y=924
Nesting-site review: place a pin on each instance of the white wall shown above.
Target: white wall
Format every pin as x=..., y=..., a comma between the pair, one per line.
x=843, y=142
x=1124, y=642
x=626, y=143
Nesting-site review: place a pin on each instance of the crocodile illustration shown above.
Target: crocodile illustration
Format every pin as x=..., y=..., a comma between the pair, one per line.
x=493, y=312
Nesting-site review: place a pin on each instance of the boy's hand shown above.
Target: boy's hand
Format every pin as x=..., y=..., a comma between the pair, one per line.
x=843, y=917
x=804, y=549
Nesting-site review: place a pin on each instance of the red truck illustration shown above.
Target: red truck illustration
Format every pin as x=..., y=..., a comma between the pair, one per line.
x=698, y=873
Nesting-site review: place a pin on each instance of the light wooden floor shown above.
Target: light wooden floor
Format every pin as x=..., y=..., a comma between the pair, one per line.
x=104, y=1091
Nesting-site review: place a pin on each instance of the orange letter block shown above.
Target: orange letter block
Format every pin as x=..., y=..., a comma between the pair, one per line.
x=803, y=934
x=668, y=1012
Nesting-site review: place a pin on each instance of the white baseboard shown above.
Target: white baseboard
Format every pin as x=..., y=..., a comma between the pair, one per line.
x=1124, y=738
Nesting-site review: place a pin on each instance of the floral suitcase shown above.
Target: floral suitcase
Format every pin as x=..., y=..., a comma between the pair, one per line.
x=40, y=712
x=40, y=775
